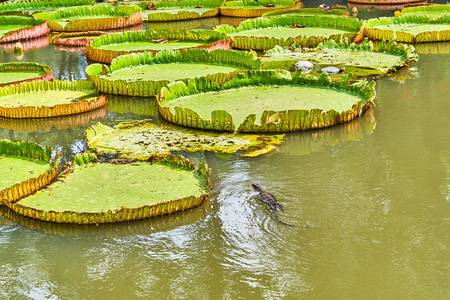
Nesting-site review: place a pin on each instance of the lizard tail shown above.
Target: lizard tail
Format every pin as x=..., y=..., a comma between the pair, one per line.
x=278, y=220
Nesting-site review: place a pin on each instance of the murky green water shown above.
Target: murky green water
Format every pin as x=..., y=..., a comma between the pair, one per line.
x=374, y=192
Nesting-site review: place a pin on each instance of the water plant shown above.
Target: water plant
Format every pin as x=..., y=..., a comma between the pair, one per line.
x=15, y=73
x=27, y=5
x=144, y=74
x=26, y=168
x=282, y=103
x=41, y=99
x=409, y=29
x=162, y=184
x=140, y=140
x=428, y=10
x=15, y=28
x=306, y=12
x=105, y=48
x=360, y=60
x=167, y=10
x=251, y=9
x=91, y=17
x=304, y=31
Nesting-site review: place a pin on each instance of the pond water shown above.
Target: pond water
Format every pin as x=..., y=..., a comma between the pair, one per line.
x=374, y=194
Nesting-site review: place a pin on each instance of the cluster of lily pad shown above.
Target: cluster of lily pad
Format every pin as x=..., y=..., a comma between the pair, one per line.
x=212, y=96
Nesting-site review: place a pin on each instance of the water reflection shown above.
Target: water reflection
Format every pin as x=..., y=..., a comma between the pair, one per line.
x=46, y=124
x=303, y=143
x=108, y=231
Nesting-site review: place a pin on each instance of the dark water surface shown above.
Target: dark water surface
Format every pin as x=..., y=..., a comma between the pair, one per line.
x=374, y=193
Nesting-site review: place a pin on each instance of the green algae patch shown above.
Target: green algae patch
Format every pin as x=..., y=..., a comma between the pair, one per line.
x=144, y=74
x=264, y=101
x=284, y=31
x=25, y=168
x=105, y=48
x=40, y=99
x=141, y=140
x=360, y=60
x=14, y=73
x=128, y=190
x=91, y=17
x=409, y=29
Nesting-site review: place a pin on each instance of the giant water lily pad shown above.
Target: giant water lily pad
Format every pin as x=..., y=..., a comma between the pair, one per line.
x=27, y=7
x=180, y=10
x=263, y=102
x=40, y=99
x=304, y=31
x=251, y=9
x=306, y=12
x=360, y=60
x=14, y=73
x=25, y=168
x=431, y=11
x=144, y=74
x=91, y=17
x=409, y=29
x=141, y=140
x=127, y=191
x=15, y=28
x=105, y=48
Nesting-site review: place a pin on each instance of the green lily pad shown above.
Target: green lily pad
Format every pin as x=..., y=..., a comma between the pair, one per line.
x=162, y=185
x=14, y=73
x=25, y=168
x=431, y=11
x=144, y=75
x=306, y=12
x=38, y=99
x=91, y=17
x=409, y=29
x=141, y=140
x=105, y=48
x=15, y=28
x=264, y=102
x=251, y=9
x=39, y=5
x=304, y=31
x=180, y=10
x=360, y=60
